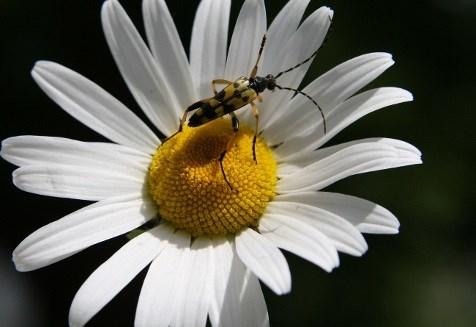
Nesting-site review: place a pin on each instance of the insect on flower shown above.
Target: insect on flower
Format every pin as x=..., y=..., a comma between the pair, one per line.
x=237, y=94
x=207, y=248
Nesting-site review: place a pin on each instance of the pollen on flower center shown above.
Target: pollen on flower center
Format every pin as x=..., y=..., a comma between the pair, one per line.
x=186, y=181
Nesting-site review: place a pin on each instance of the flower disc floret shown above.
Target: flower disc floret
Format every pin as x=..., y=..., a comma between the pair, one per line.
x=186, y=181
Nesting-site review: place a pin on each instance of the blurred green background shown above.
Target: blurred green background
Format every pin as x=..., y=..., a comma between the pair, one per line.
x=425, y=276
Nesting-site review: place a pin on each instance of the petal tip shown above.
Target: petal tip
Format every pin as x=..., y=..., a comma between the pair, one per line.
x=358, y=250
x=285, y=288
x=388, y=56
x=285, y=291
x=330, y=269
x=408, y=95
x=106, y=6
x=326, y=9
x=405, y=147
x=4, y=144
x=19, y=265
x=401, y=94
x=38, y=66
x=336, y=263
x=363, y=249
x=15, y=180
x=417, y=151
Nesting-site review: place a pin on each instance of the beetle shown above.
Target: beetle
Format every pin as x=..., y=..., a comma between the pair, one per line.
x=237, y=94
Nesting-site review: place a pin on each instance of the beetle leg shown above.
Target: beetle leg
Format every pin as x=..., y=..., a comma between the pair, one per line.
x=219, y=81
x=235, y=124
x=256, y=114
x=194, y=106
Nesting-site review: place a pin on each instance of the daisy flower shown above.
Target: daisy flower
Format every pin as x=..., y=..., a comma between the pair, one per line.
x=208, y=245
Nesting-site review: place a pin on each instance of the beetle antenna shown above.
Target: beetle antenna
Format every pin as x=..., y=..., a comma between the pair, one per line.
x=311, y=56
x=296, y=91
x=255, y=68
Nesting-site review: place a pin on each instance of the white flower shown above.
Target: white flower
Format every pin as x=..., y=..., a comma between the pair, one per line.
x=215, y=272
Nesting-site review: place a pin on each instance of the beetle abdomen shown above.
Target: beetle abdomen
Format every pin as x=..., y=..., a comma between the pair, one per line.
x=203, y=115
x=231, y=98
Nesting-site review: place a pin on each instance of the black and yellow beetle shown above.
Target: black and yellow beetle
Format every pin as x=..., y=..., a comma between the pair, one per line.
x=237, y=94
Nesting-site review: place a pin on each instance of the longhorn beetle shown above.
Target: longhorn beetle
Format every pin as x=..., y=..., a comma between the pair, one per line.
x=236, y=95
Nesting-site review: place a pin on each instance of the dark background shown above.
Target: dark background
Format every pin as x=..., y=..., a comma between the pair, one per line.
x=425, y=276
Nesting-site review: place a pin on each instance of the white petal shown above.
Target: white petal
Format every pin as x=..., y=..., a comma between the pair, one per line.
x=208, y=44
x=343, y=235
x=301, y=238
x=341, y=117
x=246, y=40
x=225, y=309
x=78, y=182
x=237, y=300
x=265, y=260
x=307, y=39
x=140, y=158
x=168, y=51
x=355, y=159
x=114, y=274
x=156, y=300
x=45, y=150
x=146, y=82
x=340, y=83
x=93, y=106
x=193, y=298
x=81, y=229
x=366, y=216
x=329, y=90
x=403, y=150
x=253, y=305
x=284, y=25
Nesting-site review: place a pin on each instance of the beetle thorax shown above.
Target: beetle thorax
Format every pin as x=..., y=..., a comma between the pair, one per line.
x=259, y=83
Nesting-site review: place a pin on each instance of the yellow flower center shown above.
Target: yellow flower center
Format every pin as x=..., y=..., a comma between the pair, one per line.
x=186, y=181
